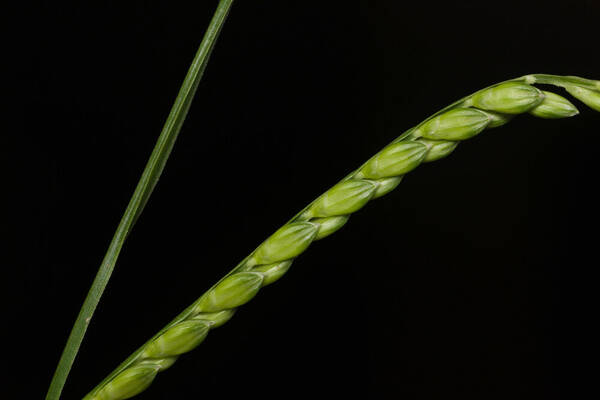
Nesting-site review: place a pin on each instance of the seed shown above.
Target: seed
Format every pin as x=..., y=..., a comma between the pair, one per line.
x=498, y=119
x=216, y=319
x=386, y=185
x=273, y=272
x=329, y=225
x=395, y=159
x=456, y=124
x=554, y=106
x=179, y=339
x=128, y=383
x=161, y=364
x=231, y=292
x=286, y=243
x=344, y=198
x=508, y=98
x=438, y=149
x=589, y=97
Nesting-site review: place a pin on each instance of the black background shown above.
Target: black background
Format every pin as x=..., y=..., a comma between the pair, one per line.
x=476, y=278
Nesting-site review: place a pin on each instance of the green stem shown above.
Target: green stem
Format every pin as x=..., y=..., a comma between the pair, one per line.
x=562, y=81
x=143, y=190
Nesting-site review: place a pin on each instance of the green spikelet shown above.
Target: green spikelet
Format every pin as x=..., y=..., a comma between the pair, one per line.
x=231, y=292
x=329, y=225
x=288, y=242
x=438, y=149
x=272, y=272
x=509, y=98
x=179, y=339
x=344, y=198
x=457, y=124
x=589, y=97
x=128, y=383
x=554, y=106
x=396, y=159
x=386, y=185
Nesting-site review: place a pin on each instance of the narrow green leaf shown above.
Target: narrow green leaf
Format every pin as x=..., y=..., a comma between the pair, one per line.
x=140, y=197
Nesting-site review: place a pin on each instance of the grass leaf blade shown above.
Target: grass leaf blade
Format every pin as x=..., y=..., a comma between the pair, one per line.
x=144, y=188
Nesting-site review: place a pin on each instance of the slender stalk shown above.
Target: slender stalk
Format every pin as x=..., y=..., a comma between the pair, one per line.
x=143, y=190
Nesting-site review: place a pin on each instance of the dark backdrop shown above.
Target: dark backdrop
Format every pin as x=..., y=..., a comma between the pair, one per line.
x=476, y=278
